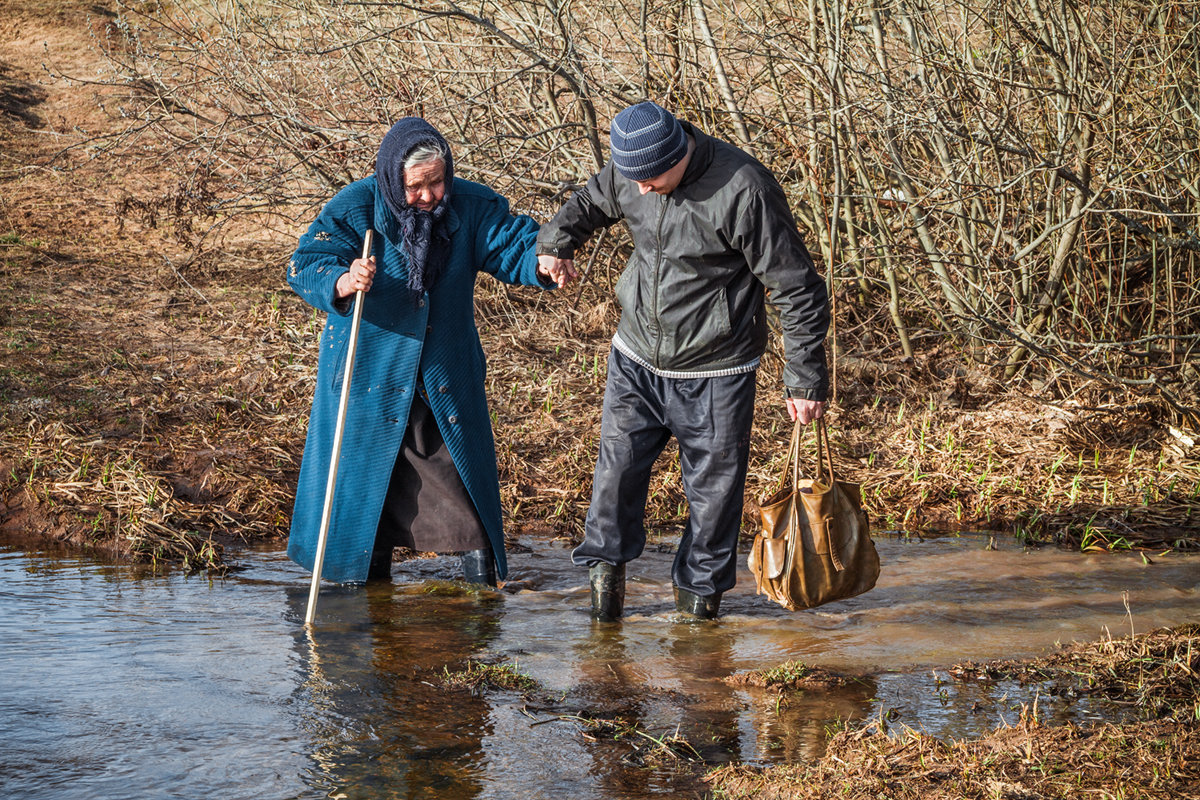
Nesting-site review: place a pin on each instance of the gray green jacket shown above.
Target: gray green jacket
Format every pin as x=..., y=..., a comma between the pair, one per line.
x=692, y=294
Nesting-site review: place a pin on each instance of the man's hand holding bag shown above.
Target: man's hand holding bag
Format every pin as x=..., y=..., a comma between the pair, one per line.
x=815, y=546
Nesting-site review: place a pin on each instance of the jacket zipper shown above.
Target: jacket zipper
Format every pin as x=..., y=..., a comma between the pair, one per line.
x=658, y=259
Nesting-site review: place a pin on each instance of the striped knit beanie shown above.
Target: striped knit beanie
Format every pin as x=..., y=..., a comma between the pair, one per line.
x=646, y=141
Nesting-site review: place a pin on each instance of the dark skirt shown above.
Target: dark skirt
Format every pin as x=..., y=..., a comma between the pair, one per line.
x=427, y=507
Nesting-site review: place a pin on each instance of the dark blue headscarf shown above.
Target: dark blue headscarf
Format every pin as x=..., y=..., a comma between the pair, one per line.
x=426, y=240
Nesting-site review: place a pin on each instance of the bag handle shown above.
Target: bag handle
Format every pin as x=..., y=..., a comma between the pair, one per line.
x=824, y=451
x=825, y=460
x=791, y=465
x=824, y=467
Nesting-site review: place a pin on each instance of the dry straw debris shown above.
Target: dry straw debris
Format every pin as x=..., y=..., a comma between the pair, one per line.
x=1152, y=759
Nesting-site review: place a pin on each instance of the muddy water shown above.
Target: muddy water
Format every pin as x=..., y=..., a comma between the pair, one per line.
x=115, y=684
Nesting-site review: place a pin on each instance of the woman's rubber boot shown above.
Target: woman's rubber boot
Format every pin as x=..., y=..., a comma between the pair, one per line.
x=380, y=568
x=608, y=591
x=478, y=566
x=698, y=605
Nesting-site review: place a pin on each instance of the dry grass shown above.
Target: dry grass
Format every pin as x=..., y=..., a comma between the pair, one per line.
x=477, y=677
x=1147, y=761
x=152, y=431
x=791, y=676
x=1159, y=673
x=153, y=399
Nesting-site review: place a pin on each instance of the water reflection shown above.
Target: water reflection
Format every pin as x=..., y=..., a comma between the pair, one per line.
x=122, y=685
x=796, y=726
x=383, y=724
x=701, y=654
x=119, y=684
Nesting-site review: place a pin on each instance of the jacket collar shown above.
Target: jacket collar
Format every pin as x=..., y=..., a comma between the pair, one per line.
x=702, y=156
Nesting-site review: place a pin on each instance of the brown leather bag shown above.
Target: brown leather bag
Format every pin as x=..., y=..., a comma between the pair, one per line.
x=815, y=546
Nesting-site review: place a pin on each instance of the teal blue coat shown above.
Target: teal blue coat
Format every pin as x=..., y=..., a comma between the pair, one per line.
x=399, y=341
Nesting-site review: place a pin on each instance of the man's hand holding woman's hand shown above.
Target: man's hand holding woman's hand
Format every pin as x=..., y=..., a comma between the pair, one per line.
x=560, y=270
x=358, y=279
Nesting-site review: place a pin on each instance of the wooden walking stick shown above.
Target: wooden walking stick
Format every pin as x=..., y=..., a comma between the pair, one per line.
x=337, y=444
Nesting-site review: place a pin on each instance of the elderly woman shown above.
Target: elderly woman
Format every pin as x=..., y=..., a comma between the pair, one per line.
x=418, y=462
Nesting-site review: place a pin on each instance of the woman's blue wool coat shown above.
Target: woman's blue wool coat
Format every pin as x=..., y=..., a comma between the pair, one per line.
x=402, y=342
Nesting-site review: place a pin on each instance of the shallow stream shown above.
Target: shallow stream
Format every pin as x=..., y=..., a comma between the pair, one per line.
x=116, y=683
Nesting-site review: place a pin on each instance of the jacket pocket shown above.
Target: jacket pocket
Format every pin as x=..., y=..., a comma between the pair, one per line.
x=700, y=328
x=720, y=318
x=624, y=287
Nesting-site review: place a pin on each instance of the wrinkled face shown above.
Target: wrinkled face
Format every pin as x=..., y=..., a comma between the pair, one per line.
x=425, y=184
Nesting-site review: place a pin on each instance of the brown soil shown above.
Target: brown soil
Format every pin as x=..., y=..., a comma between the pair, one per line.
x=142, y=410
x=155, y=393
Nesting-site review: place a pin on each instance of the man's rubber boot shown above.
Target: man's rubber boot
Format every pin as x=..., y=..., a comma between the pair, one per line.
x=698, y=605
x=380, y=568
x=478, y=566
x=608, y=591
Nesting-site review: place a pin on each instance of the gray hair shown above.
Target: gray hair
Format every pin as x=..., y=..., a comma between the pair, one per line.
x=425, y=153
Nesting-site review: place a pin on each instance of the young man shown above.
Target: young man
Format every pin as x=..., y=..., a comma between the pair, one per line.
x=711, y=228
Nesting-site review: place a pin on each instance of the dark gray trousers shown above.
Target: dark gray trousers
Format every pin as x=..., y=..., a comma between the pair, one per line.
x=711, y=419
x=427, y=507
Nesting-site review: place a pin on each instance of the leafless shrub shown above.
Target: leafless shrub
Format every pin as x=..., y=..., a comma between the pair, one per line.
x=1020, y=175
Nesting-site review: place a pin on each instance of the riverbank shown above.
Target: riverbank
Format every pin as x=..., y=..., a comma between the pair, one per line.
x=155, y=394
x=1155, y=756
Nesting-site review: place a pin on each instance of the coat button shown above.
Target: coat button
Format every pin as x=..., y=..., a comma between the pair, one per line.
x=453, y=420
x=443, y=388
x=428, y=328
x=421, y=303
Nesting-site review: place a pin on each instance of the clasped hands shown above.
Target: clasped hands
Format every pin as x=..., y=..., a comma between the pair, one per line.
x=560, y=270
